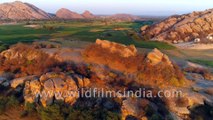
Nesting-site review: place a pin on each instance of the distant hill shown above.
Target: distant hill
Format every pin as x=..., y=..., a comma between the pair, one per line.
x=196, y=26
x=23, y=11
x=19, y=11
x=123, y=17
x=88, y=14
x=64, y=13
x=67, y=14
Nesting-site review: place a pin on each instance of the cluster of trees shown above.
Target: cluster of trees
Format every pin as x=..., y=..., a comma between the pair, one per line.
x=7, y=103
x=3, y=46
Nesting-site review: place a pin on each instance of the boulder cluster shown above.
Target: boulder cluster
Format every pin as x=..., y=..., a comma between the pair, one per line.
x=50, y=86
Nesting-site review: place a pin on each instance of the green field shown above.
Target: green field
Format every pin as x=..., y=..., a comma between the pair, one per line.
x=208, y=63
x=122, y=32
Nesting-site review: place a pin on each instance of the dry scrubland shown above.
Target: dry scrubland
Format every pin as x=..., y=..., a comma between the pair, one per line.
x=120, y=67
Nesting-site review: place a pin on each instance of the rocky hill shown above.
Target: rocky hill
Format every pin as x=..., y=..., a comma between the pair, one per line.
x=19, y=11
x=67, y=14
x=64, y=13
x=88, y=14
x=196, y=27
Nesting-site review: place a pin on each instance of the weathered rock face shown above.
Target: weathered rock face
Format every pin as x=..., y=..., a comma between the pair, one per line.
x=87, y=14
x=182, y=28
x=156, y=57
x=67, y=14
x=19, y=81
x=18, y=10
x=131, y=107
x=124, y=51
x=51, y=86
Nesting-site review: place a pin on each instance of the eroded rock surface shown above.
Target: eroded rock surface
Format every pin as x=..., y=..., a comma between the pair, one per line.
x=124, y=51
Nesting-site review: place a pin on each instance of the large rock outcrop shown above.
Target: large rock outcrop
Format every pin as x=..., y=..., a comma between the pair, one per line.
x=19, y=11
x=196, y=26
x=124, y=51
x=156, y=57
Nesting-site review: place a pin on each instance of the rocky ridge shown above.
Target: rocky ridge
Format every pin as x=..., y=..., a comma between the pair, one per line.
x=19, y=11
x=196, y=27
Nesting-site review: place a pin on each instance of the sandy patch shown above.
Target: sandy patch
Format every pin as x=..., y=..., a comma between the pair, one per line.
x=32, y=26
x=191, y=45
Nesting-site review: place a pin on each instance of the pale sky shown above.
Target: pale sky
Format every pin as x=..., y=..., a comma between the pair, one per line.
x=136, y=7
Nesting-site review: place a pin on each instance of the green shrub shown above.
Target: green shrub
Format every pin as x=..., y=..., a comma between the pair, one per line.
x=12, y=102
x=8, y=102
x=52, y=112
x=92, y=114
x=156, y=117
x=80, y=115
x=3, y=47
x=3, y=102
x=29, y=107
x=112, y=116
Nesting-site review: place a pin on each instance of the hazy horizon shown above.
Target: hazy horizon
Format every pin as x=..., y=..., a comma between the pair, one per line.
x=135, y=7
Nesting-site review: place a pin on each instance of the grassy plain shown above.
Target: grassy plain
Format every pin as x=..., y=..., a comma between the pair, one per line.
x=122, y=32
x=203, y=62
